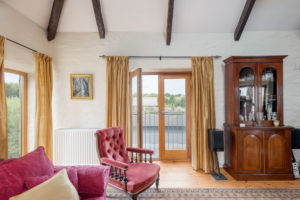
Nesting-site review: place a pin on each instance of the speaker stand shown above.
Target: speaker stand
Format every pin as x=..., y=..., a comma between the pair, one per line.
x=219, y=176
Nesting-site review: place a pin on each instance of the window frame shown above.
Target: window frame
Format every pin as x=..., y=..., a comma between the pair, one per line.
x=24, y=124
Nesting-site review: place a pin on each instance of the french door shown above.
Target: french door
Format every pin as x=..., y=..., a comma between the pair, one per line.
x=160, y=113
x=174, y=116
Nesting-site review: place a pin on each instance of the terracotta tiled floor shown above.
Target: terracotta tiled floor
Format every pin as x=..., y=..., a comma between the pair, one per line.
x=179, y=174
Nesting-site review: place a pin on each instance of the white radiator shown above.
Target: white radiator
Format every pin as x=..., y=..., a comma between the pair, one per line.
x=75, y=147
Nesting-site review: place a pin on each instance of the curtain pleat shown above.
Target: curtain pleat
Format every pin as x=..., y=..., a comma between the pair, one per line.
x=3, y=106
x=43, y=109
x=117, y=95
x=203, y=112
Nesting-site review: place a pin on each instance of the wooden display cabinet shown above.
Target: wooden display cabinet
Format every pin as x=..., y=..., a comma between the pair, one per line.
x=254, y=148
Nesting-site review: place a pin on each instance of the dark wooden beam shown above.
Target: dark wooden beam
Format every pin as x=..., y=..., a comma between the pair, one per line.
x=54, y=18
x=170, y=21
x=99, y=19
x=243, y=19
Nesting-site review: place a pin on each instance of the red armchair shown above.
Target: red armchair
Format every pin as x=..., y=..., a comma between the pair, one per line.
x=133, y=175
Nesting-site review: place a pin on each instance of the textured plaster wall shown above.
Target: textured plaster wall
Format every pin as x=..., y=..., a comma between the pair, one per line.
x=18, y=28
x=79, y=53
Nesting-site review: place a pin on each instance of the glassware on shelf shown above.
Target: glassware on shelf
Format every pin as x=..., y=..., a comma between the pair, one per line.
x=269, y=93
x=274, y=116
x=247, y=99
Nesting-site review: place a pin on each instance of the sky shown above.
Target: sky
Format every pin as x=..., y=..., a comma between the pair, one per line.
x=172, y=86
x=11, y=78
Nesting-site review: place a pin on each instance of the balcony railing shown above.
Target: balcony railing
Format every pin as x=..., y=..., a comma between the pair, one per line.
x=175, y=132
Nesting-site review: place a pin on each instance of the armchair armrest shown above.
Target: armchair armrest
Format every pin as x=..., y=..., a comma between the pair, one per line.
x=117, y=171
x=114, y=163
x=140, y=150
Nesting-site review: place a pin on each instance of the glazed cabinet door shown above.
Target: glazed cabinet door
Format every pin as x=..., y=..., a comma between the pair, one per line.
x=246, y=94
x=250, y=151
x=270, y=93
x=277, y=151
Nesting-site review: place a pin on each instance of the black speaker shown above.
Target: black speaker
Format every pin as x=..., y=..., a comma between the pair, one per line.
x=296, y=139
x=215, y=140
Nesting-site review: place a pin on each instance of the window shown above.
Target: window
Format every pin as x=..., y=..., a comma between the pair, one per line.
x=16, y=100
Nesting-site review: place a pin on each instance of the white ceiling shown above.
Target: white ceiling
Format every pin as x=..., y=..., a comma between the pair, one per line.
x=190, y=16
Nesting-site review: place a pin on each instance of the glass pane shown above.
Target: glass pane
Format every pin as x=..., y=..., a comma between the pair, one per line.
x=269, y=94
x=175, y=112
x=150, y=114
x=13, y=85
x=247, y=98
x=134, y=112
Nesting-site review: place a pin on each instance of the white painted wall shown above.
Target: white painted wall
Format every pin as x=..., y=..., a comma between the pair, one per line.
x=18, y=28
x=78, y=53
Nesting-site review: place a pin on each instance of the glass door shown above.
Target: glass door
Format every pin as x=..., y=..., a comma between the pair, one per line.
x=160, y=113
x=174, y=114
x=136, y=107
x=247, y=97
x=270, y=95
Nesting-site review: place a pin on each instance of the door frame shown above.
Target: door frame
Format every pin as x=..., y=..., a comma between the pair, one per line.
x=174, y=154
x=185, y=74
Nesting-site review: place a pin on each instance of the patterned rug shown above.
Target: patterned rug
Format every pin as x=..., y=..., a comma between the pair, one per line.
x=211, y=194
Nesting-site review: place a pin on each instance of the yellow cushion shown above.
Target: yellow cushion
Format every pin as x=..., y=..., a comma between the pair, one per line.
x=58, y=187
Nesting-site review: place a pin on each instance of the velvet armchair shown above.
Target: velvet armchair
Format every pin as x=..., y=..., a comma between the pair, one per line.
x=133, y=174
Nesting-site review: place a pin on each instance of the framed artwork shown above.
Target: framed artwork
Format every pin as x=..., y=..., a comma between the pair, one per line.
x=81, y=86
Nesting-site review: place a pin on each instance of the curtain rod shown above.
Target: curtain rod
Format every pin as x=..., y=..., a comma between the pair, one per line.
x=26, y=47
x=160, y=57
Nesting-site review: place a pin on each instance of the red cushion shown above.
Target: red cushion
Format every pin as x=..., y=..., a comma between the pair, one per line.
x=31, y=182
x=35, y=163
x=111, y=144
x=14, y=172
x=140, y=176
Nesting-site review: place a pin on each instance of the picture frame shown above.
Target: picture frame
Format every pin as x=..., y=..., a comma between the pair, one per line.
x=81, y=86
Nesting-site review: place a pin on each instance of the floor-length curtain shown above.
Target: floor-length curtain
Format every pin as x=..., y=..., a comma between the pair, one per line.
x=43, y=108
x=3, y=107
x=117, y=95
x=203, y=112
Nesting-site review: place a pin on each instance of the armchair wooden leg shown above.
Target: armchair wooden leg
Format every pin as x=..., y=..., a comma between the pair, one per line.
x=157, y=182
x=134, y=197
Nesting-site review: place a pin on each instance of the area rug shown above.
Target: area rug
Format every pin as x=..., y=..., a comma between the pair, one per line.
x=210, y=194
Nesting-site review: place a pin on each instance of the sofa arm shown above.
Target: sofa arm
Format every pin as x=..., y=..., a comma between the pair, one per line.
x=92, y=179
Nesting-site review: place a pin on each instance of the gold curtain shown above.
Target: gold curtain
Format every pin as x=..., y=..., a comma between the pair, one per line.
x=117, y=95
x=203, y=112
x=3, y=107
x=43, y=107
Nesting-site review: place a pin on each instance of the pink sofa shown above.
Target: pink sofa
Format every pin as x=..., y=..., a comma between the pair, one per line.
x=19, y=175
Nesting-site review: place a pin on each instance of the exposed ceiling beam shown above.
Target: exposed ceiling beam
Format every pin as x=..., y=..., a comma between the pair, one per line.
x=243, y=19
x=54, y=19
x=99, y=19
x=170, y=21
